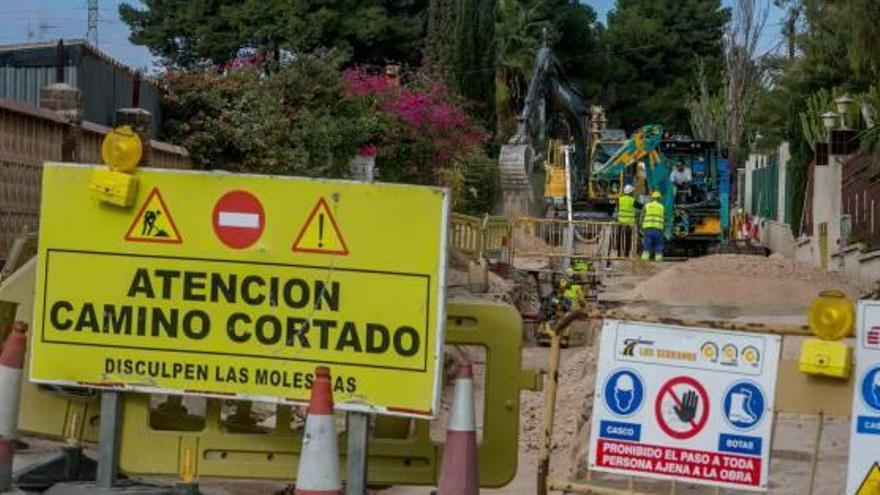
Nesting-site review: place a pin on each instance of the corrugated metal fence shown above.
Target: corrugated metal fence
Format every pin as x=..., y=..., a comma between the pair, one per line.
x=30, y=136
x=765, y=190
x=24, y=83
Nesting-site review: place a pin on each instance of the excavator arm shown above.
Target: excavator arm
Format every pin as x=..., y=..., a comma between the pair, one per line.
x=643, y=145
x=548, y=90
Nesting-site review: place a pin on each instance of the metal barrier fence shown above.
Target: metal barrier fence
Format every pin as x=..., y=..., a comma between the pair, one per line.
x=537, y=237
x=401, y=451
x=475, y=236
x=803, y=460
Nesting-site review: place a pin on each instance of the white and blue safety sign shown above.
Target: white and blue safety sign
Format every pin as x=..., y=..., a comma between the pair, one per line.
x=744, y=405
x=871, y=388
x=864, y=441
x=684, y=403
x=624, y=392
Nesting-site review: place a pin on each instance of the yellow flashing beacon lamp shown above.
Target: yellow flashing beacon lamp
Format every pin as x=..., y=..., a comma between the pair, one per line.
x=831, y=319
x=121, y=150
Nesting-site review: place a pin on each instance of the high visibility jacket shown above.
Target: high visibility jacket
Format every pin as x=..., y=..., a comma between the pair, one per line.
x=573, y=293
x=581, y=266
x=653, y=216
x=626, y=209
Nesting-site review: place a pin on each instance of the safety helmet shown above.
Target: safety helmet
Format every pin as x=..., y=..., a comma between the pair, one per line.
x=569, y=272
x=625, y=383
x=656, y=195
x=628, y=189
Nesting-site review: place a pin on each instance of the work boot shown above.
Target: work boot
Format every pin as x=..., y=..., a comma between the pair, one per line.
x=658, y=257
x=646, y=256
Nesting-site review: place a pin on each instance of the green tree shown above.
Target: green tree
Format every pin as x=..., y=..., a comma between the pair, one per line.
x=185, y=33
x=654, y=45
x=577, y=41
x=824, y=58
x=571, y=29
x=293, y=121
x=440, y=41
x=520, y=30
x=473, y=68
x=862, y=18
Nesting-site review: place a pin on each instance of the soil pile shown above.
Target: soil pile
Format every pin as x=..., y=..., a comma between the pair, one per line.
x=574, y=402
x=742, y=281
x=527, y=243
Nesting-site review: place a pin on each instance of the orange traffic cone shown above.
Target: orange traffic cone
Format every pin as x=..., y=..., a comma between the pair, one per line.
x=318, y=472
x=11, y=363
x=460, y=471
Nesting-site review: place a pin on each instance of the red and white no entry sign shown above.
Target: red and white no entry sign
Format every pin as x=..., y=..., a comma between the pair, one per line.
x=239, y=219
x=682, y=407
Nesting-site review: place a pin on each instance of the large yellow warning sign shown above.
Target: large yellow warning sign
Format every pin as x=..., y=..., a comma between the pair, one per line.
x=251, y=319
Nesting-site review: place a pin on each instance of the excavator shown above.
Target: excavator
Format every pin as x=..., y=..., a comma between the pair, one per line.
x=697, y=217
x=555, y=115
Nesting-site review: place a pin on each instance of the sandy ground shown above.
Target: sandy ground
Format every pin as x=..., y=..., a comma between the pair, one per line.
x=720, y=287
x=726, y=287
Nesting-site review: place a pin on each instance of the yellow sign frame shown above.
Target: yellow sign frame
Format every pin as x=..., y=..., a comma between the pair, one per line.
x=202, y=318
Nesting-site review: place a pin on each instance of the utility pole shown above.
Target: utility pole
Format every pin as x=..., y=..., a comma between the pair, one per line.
x=92, y=34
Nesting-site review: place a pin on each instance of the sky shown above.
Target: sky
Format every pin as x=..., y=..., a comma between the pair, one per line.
x=23, y=21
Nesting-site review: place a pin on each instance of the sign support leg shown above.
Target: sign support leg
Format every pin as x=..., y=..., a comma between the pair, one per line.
x=108, y=439
x=358, y=432
x=549, y=411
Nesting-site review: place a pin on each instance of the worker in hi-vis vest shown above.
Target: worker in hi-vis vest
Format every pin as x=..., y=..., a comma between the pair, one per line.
x=626, y=215
x=652, y=224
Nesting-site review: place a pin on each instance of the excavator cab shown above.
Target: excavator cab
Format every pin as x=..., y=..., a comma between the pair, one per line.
x=604, y=191
x=555, y=189
x=699, y=210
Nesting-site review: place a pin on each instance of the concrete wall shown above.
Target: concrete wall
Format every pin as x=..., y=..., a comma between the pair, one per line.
x=805, y=250
x=858, y=266
x=827, y=206
x=778, y=237
x=753, y=162
x=784, y=155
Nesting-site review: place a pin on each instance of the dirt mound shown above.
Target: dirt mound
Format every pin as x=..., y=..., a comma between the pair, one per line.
x=457, y=259
x=574, y=400
x=742, y=281
x=460, y=284
x=527, y=243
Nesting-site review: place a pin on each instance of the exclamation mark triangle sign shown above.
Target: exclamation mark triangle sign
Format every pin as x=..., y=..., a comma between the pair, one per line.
x=871, y=484
x=320, y=233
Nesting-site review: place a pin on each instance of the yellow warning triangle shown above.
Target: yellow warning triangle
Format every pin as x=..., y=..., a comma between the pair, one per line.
x=871, y=484
x=320, y=233
x=154, y=222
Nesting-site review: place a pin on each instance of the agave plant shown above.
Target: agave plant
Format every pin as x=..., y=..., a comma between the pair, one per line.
x=869, y=102
x=811, y=119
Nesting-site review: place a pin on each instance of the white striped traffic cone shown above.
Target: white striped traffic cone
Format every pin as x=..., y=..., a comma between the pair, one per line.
x=318, y=472
x=11, y=363
x=460, y=471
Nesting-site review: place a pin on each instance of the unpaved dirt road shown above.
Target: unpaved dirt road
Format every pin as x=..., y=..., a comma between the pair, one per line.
x=646, y=289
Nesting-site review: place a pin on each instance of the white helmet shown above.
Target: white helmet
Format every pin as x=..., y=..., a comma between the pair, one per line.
x=625, y=384
x=628, y=189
